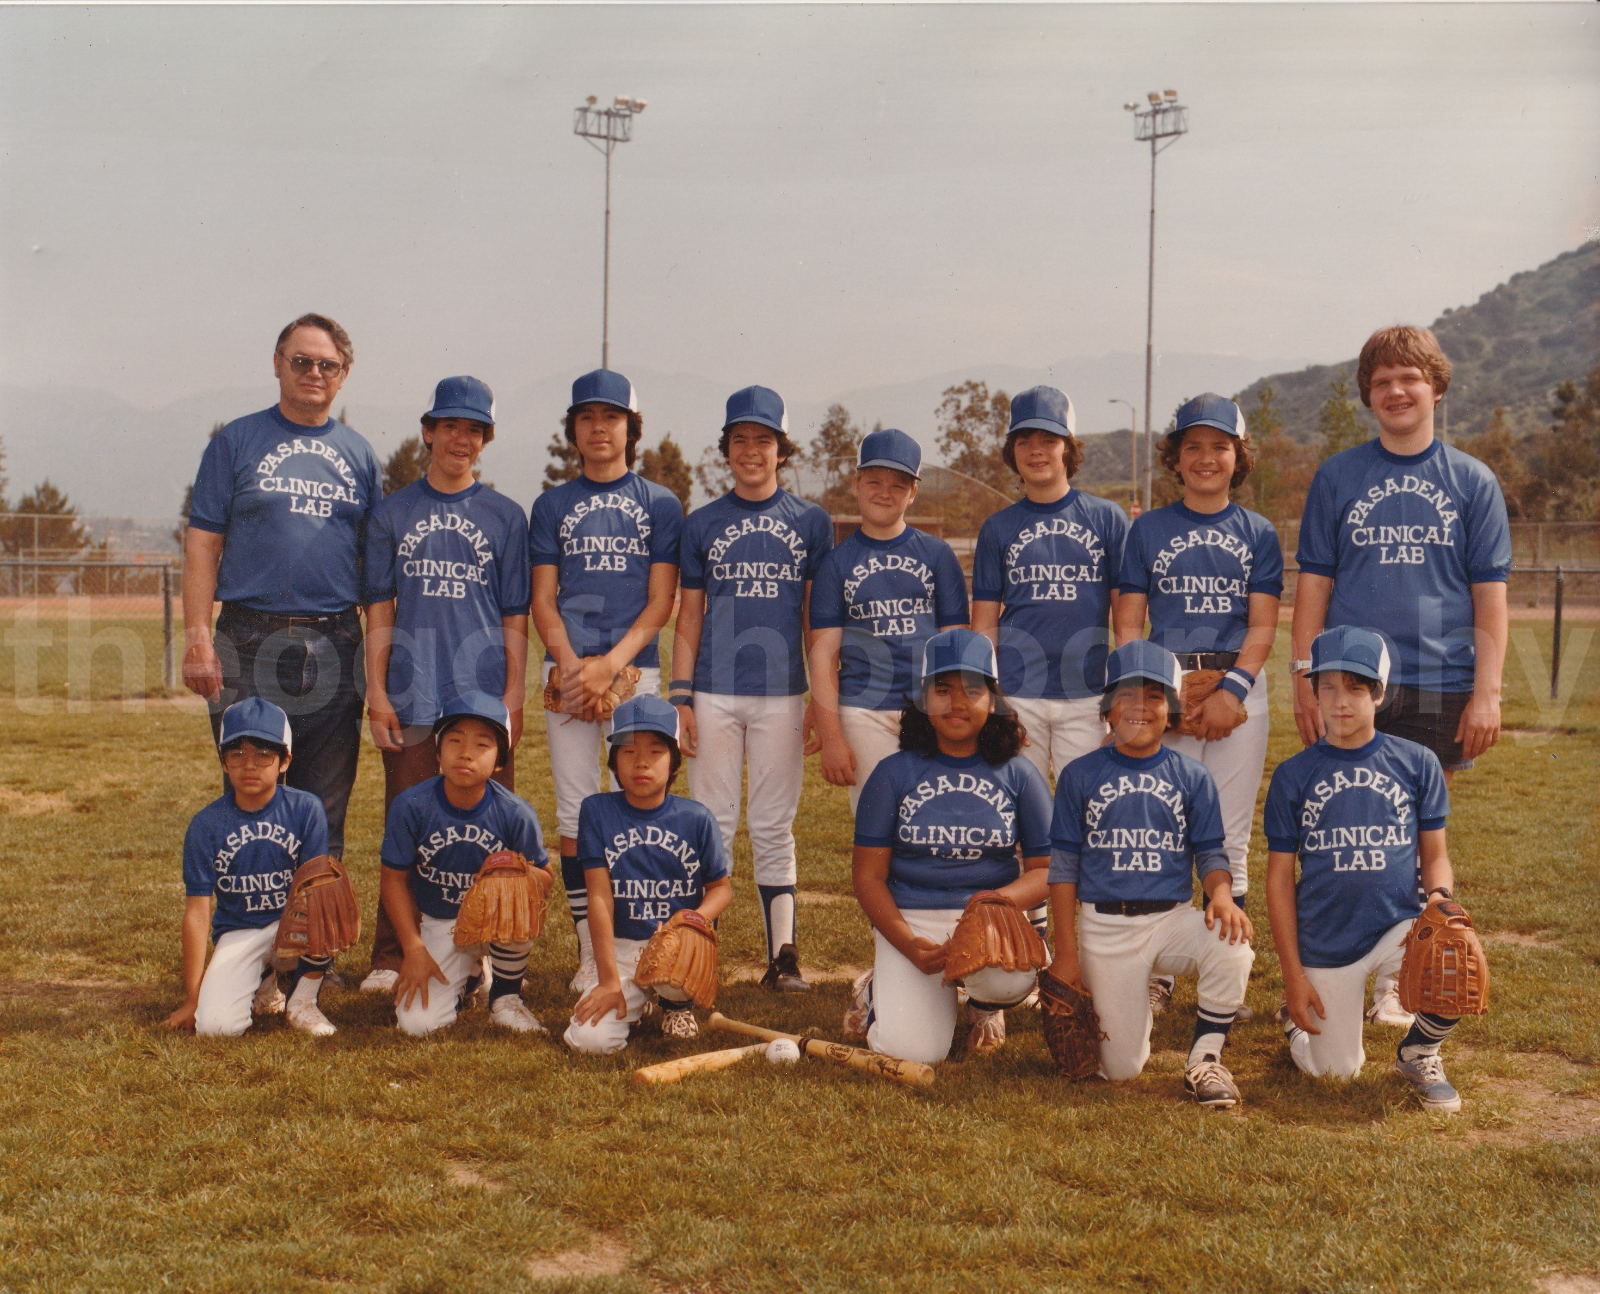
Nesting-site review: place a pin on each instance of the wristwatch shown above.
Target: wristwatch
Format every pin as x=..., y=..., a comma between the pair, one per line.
x=1299, y=666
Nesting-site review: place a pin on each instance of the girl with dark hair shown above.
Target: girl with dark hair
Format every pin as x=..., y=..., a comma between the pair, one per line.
x=957, y=812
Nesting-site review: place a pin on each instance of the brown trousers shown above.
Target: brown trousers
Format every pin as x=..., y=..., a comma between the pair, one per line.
x=403, y=769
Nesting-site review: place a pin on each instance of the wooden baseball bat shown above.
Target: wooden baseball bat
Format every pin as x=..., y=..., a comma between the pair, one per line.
x=675, y=1071
x=912, y=1073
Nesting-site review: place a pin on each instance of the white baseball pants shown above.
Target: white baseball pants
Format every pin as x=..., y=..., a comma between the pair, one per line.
x=608, y=1035
x=1059, y=731
x=1236, y=764
x=458, y=965
x=872, y=735
x=765, y=732
x=914, y=1014
x=577, y=751
x=1118, y=956
x=1337, y=1051
x=239, y=963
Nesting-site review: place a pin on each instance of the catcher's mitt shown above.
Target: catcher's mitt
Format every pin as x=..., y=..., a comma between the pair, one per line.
x=1198, y=684
x=681, y=959
x=622, y=687
x=504, y=905
x=1444, y=971
x=321, y=917
x=1071, y=1028
x=993, y=931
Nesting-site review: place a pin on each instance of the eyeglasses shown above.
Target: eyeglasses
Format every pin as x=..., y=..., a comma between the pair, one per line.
x=327, y=367
x=243, y=757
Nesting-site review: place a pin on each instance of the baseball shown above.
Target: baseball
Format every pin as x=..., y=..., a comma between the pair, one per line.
x=783, y=1051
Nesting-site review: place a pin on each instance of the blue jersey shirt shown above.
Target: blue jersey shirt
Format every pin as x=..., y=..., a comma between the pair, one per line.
x=442, y=848
x=1404, y=538
x=603, y=540
x=293, y=502
x=953, y=826
x=1136, y=826
x=1352, y=816
x=455, y=565
x=1198, y=571
x=248, y=859
x=889, y=596
x=660, y=859
x=1052, y=567
x=753, y=560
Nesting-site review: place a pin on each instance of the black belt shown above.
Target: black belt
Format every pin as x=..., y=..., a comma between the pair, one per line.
x=241, y=614
x=1134, y=908
x=1207, y=659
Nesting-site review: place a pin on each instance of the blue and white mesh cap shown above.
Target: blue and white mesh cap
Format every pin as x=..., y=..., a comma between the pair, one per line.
x=1211, y=411
x=463, y=397
x=476, y=705
x=256, y=718
x=645, y=713
x=1045, y=408
x=960, y=650
x=1143, y=659
x=1353, y=650
x=891, y=447
x=758, y=404
x=604, y=387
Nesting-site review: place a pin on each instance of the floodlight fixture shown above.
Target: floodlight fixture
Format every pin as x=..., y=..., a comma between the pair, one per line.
x=604, y=129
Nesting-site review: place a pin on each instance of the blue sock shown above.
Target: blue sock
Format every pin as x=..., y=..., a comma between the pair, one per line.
x=1424, y=1036
x=577, y=890
x=1210, y=1034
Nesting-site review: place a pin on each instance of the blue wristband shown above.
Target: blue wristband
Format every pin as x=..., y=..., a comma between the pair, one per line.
x=1238, y=681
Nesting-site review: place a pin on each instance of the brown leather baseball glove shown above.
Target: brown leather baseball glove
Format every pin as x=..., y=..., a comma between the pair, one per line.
x=1071, y=1028
x=622, y=687
x=682, y=955
x=321, y=917
x=504, y=905
x=993, y=931
x=1198, y=684
x=1443, y=970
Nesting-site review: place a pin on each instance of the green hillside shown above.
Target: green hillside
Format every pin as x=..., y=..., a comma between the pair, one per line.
x=1511, y=347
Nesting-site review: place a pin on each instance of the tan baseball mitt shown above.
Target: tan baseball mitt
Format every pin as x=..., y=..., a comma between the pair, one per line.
x=681, y=959
x=504, y=905
x=1443, y=970
x=993, y=931
x=1071, y=1028
x=321, y=917
x=1198, y=684
x=622, y=687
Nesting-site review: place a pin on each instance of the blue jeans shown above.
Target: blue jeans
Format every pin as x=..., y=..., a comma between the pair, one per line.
x=312, y=668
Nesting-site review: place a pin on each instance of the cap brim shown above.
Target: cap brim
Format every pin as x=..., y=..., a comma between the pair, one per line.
x=889, y=463
x=1359, y=668
x=254, y=734
x=618, y=733
x=1143, y=675
x=981, y=672
x=1223, y=427
x=1042, y=424
x=474, y=415
x=758, y=421
x=599, y=399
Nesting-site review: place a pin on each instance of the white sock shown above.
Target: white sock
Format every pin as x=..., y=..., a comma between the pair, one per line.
x=306, y=990
x=585, y=942
x=1207, y=1044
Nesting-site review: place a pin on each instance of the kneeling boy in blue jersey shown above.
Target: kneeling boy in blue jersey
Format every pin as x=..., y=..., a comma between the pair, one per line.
x=243, y=848
x=437, y=837
x=645, y=854
x=1364, y=813
x=1133, y=822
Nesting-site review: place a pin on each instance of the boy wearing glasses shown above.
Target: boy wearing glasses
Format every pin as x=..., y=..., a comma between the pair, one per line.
x=242, y=850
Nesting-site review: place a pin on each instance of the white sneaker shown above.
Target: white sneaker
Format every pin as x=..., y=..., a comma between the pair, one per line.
x=988, y=1032
x=679, y=1024
x=1160, y=994
x=269, y=997
x=1211, y=1083
x=305, y=1015
x=587, y=977
x=1386, y=1009
x=510, y=1012
x=380, y=981
x=854, y=1027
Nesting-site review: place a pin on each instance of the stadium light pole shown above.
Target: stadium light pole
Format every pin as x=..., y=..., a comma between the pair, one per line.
x=1133, y=443
x=1162, y=118
x=604, y=129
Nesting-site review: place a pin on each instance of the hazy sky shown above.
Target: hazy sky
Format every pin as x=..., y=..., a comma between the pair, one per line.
x=816, y=198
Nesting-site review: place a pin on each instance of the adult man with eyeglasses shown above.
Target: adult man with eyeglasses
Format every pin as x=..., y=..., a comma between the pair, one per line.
x=275, y=529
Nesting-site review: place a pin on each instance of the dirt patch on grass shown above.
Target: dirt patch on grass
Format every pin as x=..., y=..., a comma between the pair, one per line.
x=466, y=1175
x=1520, y=940
x=603, y=1256
x=834, y=975
x=105, y=990
x=820, y=898
x=1545, y=1106
x=30, y=804
x=1569, y=1283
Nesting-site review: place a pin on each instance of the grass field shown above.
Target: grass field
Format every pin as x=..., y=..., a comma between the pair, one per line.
x=471, y=1161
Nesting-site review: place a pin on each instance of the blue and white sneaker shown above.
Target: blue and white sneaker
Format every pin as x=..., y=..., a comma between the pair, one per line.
x=1426, y=1076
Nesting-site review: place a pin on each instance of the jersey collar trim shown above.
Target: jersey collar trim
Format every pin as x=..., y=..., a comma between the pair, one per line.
x=1350, y=756
x=1127, y=761
x=1204, y=518
x=295, y=429
x=476, y=811
x=1408, y=460
x=460, y=496
x=754, y=505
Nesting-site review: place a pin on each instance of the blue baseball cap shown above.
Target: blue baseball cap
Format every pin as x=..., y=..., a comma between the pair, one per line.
x=258, y=719
x=1210, y=410
x=758, y=404
x=1044, y=408
x=482, y=707
x=644, y=713
x=1353, y=650
x=1142, y=658
x=463, y=397
x=960, y=650
x=604, y=387
x=891, y=448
